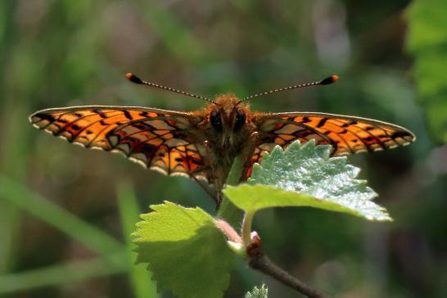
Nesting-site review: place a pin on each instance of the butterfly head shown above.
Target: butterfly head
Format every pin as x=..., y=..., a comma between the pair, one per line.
x=227, y=117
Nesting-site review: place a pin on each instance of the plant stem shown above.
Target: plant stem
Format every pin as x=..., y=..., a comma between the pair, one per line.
x=228, y=211
x=246, y=227
x=262, y=263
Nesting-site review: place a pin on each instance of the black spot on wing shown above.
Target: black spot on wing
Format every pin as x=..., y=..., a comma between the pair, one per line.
x=322, y=122
x=127, y=114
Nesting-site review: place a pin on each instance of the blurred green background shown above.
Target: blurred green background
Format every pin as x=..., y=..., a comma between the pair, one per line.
x=66, y=212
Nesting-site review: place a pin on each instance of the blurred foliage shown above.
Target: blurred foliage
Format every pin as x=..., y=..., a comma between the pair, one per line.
x=427, y=42
x=142, y=286
x=61, y=53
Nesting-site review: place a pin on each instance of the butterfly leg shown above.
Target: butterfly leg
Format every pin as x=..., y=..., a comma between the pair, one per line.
x=212, y=195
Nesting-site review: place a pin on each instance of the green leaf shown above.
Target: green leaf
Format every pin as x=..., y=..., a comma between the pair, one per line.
x=306, y=176
x=258, y=293
x=185, y=251
x=427, y=42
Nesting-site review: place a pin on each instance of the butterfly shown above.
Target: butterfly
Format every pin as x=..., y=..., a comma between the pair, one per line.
x=203, y=144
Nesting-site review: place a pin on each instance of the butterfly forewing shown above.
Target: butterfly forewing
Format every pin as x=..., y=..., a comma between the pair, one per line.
x=158, y=139
x=347, y=135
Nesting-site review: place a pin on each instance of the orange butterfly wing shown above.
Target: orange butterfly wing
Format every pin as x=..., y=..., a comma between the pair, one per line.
x=157, y=139
x=346, y=134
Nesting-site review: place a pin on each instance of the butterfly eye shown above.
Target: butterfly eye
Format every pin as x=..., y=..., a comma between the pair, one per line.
x=216, y=119
x=240, y=119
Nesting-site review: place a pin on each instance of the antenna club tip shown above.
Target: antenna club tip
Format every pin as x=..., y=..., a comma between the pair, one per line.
x=133, y=78
x=332, y=79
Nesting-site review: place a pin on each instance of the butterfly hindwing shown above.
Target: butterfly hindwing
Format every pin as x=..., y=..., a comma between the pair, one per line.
x=155, y=138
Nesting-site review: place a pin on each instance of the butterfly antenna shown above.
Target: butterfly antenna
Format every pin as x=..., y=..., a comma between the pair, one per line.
x=134, y=79
x=326, y=81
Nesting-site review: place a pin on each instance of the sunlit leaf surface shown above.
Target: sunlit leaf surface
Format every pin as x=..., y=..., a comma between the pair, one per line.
x=185, y=251
x=304, y=175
